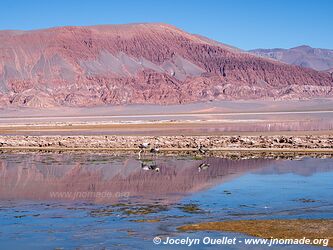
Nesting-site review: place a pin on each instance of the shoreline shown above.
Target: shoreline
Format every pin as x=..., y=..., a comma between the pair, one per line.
x=226, y=150
x=227, y=144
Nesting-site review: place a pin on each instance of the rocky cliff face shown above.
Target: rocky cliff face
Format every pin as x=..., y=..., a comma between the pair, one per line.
x=140, y=63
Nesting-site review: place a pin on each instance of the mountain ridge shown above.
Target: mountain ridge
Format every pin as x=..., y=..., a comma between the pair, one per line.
x=303, y=55
x=140, y=63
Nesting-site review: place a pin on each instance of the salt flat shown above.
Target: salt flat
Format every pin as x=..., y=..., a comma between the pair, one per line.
x=213, y=118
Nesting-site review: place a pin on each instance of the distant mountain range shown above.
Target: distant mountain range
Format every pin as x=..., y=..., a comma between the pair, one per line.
x=142, y=63
x=304, y=56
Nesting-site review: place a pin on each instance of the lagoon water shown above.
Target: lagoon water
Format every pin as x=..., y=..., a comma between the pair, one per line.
x=102, y=201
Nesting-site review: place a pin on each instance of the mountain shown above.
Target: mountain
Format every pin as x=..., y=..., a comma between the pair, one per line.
x=140, y=63
x=305, y=56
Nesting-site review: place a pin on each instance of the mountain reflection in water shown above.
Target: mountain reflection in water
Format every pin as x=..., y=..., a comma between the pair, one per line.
x=33, y=176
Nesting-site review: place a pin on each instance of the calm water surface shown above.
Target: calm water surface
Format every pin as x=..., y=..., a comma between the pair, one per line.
x=100, y=201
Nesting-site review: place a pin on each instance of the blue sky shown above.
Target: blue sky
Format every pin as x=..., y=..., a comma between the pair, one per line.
x=245, y=24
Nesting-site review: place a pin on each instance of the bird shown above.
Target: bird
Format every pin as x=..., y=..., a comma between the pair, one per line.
x=154, y=150
x=152, y=167
x=142, y=147
x=144, y=166
x=203, y=166
x=202, y=150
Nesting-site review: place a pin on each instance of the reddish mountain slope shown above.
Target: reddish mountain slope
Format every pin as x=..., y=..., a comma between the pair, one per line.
x=139, y=63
